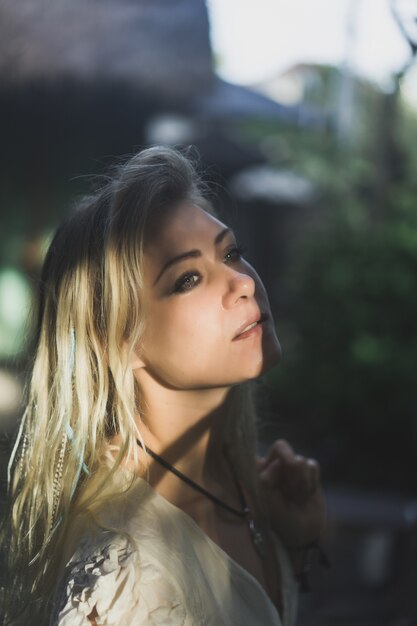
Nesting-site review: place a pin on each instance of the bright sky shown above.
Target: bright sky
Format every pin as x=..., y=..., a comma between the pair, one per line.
x=255, y=40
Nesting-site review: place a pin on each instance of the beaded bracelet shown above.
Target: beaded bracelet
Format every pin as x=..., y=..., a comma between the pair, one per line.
x=309, y=550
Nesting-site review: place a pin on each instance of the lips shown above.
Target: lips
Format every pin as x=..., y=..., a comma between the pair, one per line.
x=251, y=323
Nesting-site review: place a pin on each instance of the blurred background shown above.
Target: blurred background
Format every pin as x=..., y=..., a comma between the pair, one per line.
x=305, y=117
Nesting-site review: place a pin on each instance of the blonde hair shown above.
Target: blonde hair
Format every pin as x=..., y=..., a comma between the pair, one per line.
x=82, y=390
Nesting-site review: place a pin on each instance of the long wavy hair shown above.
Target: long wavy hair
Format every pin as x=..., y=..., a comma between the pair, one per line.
x=82, y=391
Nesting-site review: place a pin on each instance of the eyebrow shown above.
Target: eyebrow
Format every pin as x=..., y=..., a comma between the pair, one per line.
x=192, y=254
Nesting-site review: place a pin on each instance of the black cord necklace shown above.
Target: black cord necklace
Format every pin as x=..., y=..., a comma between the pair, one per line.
x=245, y=513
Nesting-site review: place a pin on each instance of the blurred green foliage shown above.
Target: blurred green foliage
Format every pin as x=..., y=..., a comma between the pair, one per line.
x=346, y=390
x=350, y=336
x=349, y=332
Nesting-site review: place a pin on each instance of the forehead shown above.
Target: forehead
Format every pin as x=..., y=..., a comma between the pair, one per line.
x=178, y=228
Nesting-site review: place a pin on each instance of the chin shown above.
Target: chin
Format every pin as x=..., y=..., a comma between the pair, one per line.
x=268, y=362
x=272, y=357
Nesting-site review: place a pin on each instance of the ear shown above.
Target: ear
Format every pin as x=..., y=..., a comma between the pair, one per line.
x=136, y=362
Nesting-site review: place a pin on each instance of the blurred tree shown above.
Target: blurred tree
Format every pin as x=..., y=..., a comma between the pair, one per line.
x=348, y=378
x=346, y=389
x=350, y=342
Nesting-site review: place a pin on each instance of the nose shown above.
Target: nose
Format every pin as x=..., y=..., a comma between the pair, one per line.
x=239, y=286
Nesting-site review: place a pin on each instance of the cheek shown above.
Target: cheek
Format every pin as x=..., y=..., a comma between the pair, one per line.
x=261, y=295
x=181, y=328
x=260, y=287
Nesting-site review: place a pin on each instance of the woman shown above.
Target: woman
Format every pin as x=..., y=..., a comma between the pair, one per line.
x=137, y=497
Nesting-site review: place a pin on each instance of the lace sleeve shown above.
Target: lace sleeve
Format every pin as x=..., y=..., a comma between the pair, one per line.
x=122, y=588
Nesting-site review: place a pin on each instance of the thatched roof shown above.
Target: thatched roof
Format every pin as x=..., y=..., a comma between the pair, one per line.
x=160, y=45
x=87, y=77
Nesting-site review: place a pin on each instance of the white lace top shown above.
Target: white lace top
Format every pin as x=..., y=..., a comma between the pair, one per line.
x=159, y=568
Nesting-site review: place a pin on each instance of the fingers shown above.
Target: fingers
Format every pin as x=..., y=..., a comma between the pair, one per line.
x=280, y=448
x=260, y=462
x=280, y=454
x=312, y=474
x=292, y=473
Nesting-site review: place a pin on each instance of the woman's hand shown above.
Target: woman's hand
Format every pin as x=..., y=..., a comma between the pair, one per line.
x=294, y=496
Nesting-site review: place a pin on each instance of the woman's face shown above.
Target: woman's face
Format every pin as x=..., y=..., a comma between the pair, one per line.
x=199, y=295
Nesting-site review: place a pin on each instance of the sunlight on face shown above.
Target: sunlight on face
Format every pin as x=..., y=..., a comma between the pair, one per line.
x=199, y=294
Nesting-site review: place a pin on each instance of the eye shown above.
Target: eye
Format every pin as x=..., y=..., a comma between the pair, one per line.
x=235, y=254
x=186, y=282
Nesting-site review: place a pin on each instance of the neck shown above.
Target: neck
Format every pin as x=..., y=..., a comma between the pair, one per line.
x=185, y=427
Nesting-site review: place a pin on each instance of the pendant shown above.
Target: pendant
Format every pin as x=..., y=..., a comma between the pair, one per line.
x=256, y=536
